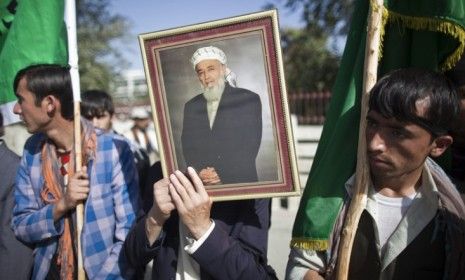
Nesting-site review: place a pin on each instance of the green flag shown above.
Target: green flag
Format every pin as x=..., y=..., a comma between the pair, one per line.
x=31, y=32
x=421, y=33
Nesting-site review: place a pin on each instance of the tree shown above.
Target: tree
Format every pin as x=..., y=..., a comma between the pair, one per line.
x=310, y=56
x=332, y=17
x=97, y=30
x=309, y=65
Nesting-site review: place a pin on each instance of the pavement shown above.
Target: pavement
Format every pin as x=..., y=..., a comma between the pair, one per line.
x=306, y=139
x=280, y=233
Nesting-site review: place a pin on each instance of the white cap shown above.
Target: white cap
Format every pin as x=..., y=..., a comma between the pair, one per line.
x=208, y=53
x=139, y=113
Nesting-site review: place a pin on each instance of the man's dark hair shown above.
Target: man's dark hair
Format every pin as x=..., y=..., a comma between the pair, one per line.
x=395, y=96
x=49, y=79
x=94, y=103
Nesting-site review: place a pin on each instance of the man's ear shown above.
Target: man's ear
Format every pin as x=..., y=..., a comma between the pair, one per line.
x=50, y=103
x=440, y=145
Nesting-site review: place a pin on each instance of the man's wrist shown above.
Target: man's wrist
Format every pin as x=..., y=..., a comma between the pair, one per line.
x=59, y=210
x=199, y=231
x=151, y=222
x=152, y=229
x=154, y=219
x=193, y=245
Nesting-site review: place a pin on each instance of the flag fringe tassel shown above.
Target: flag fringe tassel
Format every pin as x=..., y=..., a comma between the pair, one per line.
x=443, y=26
x=310, y=244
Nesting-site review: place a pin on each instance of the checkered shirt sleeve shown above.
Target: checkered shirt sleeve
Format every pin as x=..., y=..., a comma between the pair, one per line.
x=110, y=209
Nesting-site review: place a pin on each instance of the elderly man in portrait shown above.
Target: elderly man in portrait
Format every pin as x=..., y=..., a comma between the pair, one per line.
x=222, y=127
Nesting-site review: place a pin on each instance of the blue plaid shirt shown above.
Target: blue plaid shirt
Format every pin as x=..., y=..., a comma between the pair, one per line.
x=110, y=209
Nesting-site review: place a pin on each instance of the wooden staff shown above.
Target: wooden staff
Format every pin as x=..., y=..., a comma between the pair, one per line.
x=80, y=207
x=362, y=178
x=70, y=19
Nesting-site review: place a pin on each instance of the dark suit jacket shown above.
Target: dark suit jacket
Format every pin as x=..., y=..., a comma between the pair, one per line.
x=15, y=257
x=423, y=258
x=236, y=248
x=231, y=146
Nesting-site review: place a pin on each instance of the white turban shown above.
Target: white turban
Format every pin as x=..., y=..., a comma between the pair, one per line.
x=208, y=53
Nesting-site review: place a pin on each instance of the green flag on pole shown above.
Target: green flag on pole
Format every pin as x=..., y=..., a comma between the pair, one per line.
x=421, y=33
x=31, y=32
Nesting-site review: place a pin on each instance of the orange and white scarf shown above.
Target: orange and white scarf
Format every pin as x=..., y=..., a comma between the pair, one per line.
x=54, y=188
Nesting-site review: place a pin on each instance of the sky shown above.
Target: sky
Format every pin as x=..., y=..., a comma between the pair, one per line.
x=155, y=15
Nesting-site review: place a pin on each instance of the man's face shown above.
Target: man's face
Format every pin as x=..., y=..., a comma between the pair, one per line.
x=209, y=72
x=35, y=117
x=103, y=121
x=396, y=149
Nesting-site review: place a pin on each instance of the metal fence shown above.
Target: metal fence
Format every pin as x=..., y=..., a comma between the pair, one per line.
x=309, y=107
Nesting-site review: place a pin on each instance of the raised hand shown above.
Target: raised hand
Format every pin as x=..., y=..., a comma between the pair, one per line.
x=192, y=201
x=77, y=190
x=161, y=209
x=162, y=202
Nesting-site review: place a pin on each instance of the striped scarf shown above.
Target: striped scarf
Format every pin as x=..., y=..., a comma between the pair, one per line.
x=53, y=188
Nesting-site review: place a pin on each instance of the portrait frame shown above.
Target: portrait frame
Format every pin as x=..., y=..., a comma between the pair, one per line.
x=252, y=46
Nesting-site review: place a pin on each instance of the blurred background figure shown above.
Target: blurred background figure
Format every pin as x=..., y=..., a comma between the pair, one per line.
x=15, y=256
x=15, y=135
x=142, y=133
x=97, y=106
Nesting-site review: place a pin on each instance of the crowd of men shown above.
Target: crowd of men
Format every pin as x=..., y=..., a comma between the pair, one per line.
x=413, y=226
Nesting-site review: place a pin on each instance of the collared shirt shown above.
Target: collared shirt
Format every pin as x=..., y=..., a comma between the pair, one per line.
x=188, y=268
x=213, y=102
x=212, y=108
x=422, y=211
x=110, y=209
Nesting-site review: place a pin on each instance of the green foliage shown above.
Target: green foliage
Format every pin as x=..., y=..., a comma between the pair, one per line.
x=310, y=61
x=332, y=17
x=309, y=65
x=100, y=62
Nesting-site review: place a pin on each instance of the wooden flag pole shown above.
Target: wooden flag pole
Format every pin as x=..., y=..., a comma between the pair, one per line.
x=70, y=18
x=80, y=207
x=362, y=178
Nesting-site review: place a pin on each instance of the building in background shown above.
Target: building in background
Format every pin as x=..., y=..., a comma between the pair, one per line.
x=130, y=90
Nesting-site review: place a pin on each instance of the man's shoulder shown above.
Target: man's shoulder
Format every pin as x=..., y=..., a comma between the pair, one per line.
x=111, y=140
x=438, y=174
x=196, y=99
x=34, y=142
x=139, y=153
x=448, y=192
x=124, y=137
x=239, y=90
x=36, y=138
x=242, y=93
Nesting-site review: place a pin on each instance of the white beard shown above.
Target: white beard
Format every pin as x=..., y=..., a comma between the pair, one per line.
x=214, y=92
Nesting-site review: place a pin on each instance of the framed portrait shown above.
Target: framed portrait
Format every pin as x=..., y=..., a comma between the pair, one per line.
x=219, y=104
